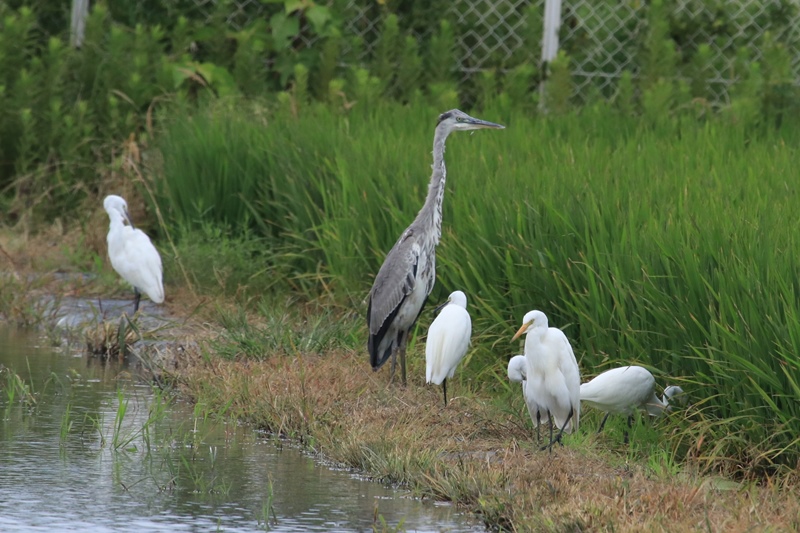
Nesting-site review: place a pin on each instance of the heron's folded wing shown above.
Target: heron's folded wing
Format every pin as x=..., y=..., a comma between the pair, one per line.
x=395, y=280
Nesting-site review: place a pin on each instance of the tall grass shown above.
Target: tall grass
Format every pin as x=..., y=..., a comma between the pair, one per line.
x=669, y=243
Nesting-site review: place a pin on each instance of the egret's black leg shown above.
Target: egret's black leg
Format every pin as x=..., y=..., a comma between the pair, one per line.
x=137, y=296
x=538, y=423
x=549, y=446
x=625, y=433
x=444, y=388
x=560, y=432
x=603, y=423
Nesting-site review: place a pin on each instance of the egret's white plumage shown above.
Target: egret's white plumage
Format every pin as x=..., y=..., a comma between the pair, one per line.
x=448, y=341
x=518, y=373
x=554, y=380
x=625, y=389
x=132, y=254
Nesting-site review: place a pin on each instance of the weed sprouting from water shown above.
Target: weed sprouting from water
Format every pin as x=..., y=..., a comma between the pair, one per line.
x=379, y=524
x=117, y=439
x=268, y=516
x=17, y=389
x=141, y=434
x=66, y=424
x=202, y=480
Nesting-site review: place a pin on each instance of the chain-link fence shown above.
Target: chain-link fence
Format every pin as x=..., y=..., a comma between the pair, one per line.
x=602, y=37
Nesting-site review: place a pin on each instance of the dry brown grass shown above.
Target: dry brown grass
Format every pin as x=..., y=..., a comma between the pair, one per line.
x=474, y=453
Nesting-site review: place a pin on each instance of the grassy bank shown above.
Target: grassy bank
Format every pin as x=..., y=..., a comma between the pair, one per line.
x=479, y=451
x=668, y=242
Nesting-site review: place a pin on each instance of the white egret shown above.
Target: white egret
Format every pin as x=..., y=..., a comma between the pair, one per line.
x=132, y=254
x=518, y=373
x=625, y=389
x=448, y=341
x=554, y=380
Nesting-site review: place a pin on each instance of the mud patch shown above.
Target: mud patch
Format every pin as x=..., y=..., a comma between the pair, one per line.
x=149, y=340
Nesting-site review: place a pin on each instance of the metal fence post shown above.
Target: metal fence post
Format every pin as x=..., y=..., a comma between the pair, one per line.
x=552, y=23
x=77, y=26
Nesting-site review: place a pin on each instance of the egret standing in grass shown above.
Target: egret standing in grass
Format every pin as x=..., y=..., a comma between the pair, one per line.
x=518, y=373
x=554, y=380
x=132, y=254
x=448, y=341
x=408, y=273
x=625, y=389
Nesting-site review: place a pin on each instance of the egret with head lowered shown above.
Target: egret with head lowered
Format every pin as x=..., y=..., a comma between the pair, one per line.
x=448, y=341
x=408, y=273
x=625, y=389
x=518, y=373
x=132, y=254
x=554, y=379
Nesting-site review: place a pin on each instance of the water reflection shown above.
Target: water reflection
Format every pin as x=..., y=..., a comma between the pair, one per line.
x=95, y=449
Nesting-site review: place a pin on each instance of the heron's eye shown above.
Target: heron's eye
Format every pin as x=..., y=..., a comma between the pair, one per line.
x=459, y=119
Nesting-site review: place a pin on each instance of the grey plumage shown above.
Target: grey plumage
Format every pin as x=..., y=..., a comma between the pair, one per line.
x=408, y=273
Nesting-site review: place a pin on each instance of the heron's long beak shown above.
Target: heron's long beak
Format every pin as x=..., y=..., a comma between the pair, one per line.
x=519, y=332
x=477, y=123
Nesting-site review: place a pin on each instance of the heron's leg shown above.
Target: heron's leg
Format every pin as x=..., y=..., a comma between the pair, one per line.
x=538, y=423
x=403, y=344
x=137, y=296
x=444, y=388
x=401, y=337
x=603, y=423
x=394, y=365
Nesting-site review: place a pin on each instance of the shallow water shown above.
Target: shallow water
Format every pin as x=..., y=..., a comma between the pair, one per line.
x=70, y=461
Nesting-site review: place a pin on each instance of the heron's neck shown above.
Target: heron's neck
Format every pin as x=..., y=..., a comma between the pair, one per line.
x=431, y=212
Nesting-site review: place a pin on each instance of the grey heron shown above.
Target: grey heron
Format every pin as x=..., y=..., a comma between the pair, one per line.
x=554, y=380
x=448, y=341
x=408, y=273
x=132, y=254
x=623, y=390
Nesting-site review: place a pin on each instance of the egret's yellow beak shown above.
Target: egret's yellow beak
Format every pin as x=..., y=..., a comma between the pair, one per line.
x=520, y=331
